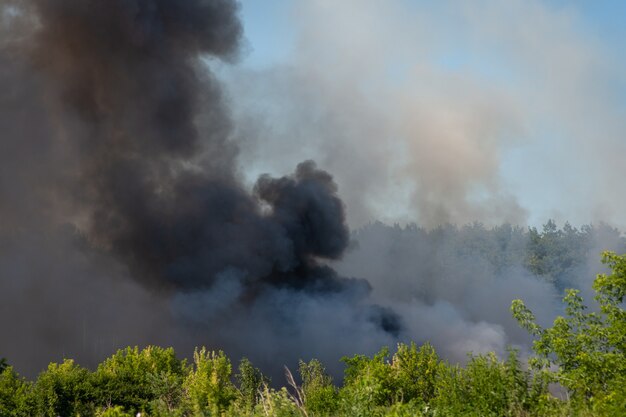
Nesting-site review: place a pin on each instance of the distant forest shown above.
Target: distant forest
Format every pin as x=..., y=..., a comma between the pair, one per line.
x=556, y=255
x=453, y=285
x=577, y=366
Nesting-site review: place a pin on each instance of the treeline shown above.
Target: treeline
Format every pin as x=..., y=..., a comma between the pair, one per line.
x=412, y=381
x=558, y=255
x=583, y=352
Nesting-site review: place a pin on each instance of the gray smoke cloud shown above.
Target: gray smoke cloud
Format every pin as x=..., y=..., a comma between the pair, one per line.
x=123, y=217
x=448, y=111
x=423, y=144
x=125, y=220
x=445, y=112
x=453, y=286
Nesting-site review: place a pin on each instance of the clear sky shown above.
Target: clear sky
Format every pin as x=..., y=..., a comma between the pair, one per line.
x=434, y=111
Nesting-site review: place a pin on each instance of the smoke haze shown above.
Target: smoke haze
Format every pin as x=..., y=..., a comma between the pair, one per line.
x=138, y=169
x=447, y=111
x=134, y=208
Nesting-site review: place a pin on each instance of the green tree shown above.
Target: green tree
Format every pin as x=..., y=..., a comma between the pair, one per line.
x=368, y=384
x=487, y=386
x=166, y=388
x=276, y=403
x=138, y=380
x=250, y=382
x=320, y=395
x=587, y=348
x=208, y=388
x=557, y=255
x=415, y=372
x=117, y=411
x=63, y=390
x=15, y=394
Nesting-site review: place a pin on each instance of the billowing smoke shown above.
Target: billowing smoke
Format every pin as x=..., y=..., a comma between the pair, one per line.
x=453, y=286
x=126, y=217
x=447, y=111
x=120, y=165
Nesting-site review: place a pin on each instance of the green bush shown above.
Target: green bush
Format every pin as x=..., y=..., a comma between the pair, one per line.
x=276, y=403
x=63, y=390
x=208, y=388
x=15, y=394
x=321, y=396
x=368, y=384
x=250, y=382
x=415, y=372
x=140, y=380
x=588, y=349
x=116, y=411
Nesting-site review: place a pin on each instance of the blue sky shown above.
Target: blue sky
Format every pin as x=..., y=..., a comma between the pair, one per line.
x=270, y=31
x=448, y=110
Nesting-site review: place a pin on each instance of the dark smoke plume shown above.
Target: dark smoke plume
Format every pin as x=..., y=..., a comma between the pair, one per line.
x=123, y=219
x=113, y=126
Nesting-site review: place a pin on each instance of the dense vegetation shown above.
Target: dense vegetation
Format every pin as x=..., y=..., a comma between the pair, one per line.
x=583, y=352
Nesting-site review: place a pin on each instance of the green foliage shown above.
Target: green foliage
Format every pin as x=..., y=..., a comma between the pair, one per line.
x=207, y=387
x=556, y=254
x=321, y=396
x=251, y=382
x=371, y=384
x=503, y=246
x=584, y=351
x=167, y=388
x=15, y=396
x=410, y=409
x=140, y=380
x=368, y=384
x=63, y=390
x=488, y=387
x=411, y=382
x=588, y=348
x=117, y=411
x=415, y=372
x=276, y=403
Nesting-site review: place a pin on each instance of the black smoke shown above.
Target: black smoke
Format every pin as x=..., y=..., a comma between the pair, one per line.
x=118, y=163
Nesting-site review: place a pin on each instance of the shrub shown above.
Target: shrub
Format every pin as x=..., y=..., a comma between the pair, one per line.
x=415, y=372
x=321, y=396
x=137, y=380
x=15, y=394
x=588, y=349
x=63, y=390
x=251, y=382
x=207, y=387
